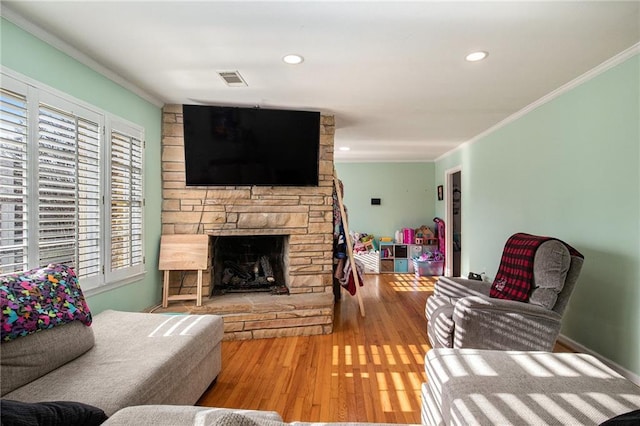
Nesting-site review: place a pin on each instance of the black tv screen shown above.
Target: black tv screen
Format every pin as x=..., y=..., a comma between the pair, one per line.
x=250, y=146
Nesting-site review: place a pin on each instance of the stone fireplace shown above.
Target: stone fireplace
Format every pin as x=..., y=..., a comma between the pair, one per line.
x=302, y=216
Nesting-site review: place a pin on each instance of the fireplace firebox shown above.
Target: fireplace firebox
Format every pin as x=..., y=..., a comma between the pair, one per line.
x=243, y=264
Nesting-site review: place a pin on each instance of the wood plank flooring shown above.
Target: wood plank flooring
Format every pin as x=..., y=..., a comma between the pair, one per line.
x=369, y=370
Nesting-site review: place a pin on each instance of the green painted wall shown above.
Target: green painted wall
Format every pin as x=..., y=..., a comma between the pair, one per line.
x=568, y=169
x=407, y=191
x=28, y=55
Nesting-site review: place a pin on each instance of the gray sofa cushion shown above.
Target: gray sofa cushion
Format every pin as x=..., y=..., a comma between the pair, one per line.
x=469, y=386
x=455, y=288
x=23, y=360
x=550, y=267
x=171, y=415
x=569, y=284
x=237, y=419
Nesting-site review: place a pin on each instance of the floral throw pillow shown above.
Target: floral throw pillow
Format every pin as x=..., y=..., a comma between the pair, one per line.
x=40, y=299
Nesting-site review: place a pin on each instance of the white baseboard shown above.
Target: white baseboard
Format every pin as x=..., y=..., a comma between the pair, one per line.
x=577, y=347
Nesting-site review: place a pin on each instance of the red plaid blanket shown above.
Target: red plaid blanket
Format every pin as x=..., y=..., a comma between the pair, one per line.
x=515, y=274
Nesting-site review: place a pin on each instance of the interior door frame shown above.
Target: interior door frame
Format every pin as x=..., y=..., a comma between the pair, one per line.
x=448, y=217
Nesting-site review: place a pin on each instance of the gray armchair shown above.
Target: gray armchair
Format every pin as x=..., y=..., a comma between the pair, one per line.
x=460, y=313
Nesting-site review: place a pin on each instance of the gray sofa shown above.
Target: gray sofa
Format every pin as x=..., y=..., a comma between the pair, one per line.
x=487, y=387
x=122, y=359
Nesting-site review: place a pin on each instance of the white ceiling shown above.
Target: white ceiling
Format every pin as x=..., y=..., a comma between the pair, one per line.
x=393, y=73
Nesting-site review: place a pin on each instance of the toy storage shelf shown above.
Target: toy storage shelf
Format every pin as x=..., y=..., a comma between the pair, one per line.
x=397, y=258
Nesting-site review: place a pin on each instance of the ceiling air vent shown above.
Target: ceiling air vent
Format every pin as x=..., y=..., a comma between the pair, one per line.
x=232, y=78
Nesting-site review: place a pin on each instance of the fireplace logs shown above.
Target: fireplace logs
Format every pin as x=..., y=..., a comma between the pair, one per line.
x=249, y=277
x=267, y=269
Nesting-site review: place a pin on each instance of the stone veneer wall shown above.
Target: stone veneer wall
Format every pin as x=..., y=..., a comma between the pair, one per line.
x=303, y=213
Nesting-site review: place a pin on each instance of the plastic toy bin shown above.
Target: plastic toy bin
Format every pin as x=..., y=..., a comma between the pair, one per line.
x=428, y=267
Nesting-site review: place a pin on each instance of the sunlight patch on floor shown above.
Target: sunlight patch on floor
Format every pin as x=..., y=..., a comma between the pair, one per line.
x=347, y=355
x=411, y=283
x=418, y=353
x=377, y=360
x=334, y=359
x=391, y=360
x=397, y=386
x=403, y=355
x=362, y=356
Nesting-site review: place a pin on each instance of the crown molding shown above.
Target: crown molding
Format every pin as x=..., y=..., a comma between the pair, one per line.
x=594, y=72
x=22, y=22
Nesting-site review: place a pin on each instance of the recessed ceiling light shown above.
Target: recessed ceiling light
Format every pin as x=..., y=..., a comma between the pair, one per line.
x=344, y=148
x=293, y=59
x=476, y=56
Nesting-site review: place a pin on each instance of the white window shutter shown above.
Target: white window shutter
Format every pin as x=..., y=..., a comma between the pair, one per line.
x=89, y=199
x=69, y=191
x=126, y=201
x=13, y=182
x=57, y=184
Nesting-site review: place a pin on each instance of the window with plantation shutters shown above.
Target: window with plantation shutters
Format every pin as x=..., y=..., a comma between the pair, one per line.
x=13, y=182
x=126, y=200
x=68, y=194
x=68, y=191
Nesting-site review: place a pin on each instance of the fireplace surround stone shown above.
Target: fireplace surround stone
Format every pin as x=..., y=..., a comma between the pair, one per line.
x=303, y=214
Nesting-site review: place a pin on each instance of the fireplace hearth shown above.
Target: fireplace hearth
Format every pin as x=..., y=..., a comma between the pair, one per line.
x=244, y=264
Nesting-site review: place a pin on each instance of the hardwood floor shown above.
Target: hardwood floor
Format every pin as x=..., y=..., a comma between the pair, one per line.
x=369, y=370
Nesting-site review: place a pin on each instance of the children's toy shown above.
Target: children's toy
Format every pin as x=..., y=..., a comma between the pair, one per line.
x=431, y=256
x=425, y=234
x=408, y=235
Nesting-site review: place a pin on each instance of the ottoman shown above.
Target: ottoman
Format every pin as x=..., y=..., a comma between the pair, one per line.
x=487, y=387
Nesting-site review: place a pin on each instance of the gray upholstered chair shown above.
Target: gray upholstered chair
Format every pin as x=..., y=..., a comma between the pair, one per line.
x=460, y=313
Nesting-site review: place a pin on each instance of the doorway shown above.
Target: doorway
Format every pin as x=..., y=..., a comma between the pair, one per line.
x=453, y=213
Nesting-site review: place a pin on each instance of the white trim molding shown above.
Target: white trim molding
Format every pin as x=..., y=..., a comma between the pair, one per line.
x=577, y=347
x=448, y=218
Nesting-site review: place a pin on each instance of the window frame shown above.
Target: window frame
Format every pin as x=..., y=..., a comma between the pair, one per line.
x=36, y=94
x=128, y=129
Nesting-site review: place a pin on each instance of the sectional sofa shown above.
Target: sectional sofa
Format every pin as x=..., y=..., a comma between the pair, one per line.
x=49, y=353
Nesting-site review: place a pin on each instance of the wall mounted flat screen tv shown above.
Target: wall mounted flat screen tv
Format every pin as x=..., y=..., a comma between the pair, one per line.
x=250, y=146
